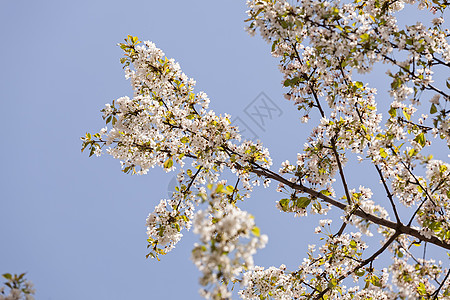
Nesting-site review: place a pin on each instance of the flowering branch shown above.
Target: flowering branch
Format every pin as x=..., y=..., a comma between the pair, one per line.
x=398, y=227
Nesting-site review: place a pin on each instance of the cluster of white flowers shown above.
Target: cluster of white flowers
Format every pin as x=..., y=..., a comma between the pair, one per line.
x=338, y=257
x=19, y=288
x=362, y=200
x=272, y=282
x=164, y=224
x=222, y=256
x=416, y=279
x=433, y=215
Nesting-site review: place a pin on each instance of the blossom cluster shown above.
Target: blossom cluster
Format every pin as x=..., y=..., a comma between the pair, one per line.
x=19, y=288
x=271, y=282
x=221, y=255
x=338, y=257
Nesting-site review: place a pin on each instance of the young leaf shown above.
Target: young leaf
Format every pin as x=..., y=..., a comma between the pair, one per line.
x=256, y=231
x=303, y=202
x=168, y=163
x=433, y=109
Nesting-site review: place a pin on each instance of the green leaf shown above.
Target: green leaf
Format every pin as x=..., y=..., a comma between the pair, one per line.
x=325, y=192
x=284, y=203
x=420, y=139
x=399, y=253
x=407, y=116
x=317, y=206
x=421, y=289
x=396, y=83
x=92, y=151
x=168, y=163
x=393, y=112
x=332, y=283
x=256, y=231
x=219, y=189
x=303, y=202
x=433, y=109
x=383, y=153
x=364, y=36
x=230, y=188
x=7, y=276
x=274, y=44
x=287, y=82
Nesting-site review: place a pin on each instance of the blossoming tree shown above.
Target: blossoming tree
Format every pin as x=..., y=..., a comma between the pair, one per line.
x=320, y=44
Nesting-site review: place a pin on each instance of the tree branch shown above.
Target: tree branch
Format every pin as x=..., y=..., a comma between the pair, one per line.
x=389, y=195
x=436, y=293
x=363, y=263
x=333, y=143
x=399, y=227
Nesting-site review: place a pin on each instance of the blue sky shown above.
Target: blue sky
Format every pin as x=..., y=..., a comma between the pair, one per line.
x=77, y=224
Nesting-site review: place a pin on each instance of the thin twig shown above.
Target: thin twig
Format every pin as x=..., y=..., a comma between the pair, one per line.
x=436, y=293
x=389, y=194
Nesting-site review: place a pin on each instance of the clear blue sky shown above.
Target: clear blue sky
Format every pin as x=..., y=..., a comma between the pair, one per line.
x=77, y=224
